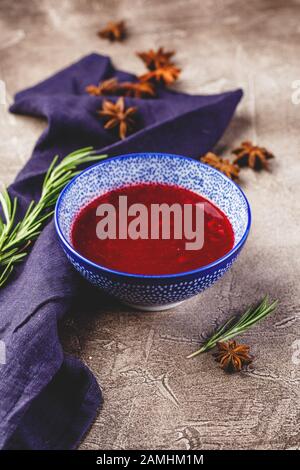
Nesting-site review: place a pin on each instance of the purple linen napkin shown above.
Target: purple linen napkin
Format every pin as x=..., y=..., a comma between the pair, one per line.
x=48, y=400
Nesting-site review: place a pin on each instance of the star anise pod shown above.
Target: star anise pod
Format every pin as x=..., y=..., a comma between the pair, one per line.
x=138, y=89
x=107, y=87
x=222, y=164
x=232, y=356
x=155, y=59
x=165, y=74
x=113, y=31
x=92, y=90
x=251, y=155
x=117, y=115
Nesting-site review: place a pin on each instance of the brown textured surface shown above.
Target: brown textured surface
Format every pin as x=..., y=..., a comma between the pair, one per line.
x=154, y=398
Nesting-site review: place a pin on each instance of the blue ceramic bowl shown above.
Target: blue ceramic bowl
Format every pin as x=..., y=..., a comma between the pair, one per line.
x=144, y=291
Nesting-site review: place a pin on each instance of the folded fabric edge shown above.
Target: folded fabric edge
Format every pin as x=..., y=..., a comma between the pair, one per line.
x=72, y=433
x=87, y=413
x=64, y=72
x=117, y=146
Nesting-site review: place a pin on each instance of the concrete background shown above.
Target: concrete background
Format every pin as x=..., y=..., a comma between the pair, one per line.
x=154, y=398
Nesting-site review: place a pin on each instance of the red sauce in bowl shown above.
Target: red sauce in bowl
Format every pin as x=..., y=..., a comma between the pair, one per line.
x=151, y=256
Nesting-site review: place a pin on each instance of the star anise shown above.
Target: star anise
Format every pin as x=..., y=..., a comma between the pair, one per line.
x=232, y=356
x=165, y=74
x=113, y=31
x=251, y=155
x=155, y=59
x=222, y=164
x=107, y=87
x=138, y=89
x=117, y=115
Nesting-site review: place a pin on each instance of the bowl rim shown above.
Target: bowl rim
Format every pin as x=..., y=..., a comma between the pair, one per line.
x=151, y=276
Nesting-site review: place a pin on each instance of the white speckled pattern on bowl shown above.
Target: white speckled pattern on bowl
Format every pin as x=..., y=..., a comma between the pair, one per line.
x=152, y=291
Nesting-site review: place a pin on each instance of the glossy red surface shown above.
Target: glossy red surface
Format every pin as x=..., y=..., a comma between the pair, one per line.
x=150, y=256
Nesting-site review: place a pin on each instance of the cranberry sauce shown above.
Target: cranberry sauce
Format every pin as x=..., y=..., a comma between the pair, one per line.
x=147, y=255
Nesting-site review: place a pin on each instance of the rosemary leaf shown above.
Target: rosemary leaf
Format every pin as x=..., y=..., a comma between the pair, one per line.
x=236, y=326
x=16, y=237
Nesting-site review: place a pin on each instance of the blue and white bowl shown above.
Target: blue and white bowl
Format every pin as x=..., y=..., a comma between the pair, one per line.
x=149, y=292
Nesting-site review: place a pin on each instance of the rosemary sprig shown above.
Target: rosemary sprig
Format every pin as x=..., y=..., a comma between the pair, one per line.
x=15, y=238
x=235, y=326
